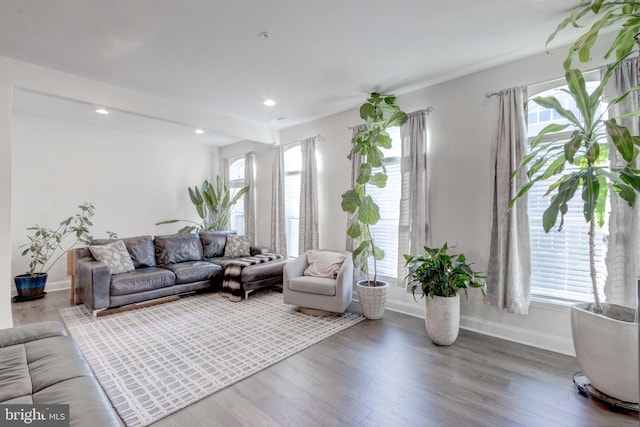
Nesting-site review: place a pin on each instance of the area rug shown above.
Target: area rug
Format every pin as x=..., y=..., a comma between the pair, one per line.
x=156, y=360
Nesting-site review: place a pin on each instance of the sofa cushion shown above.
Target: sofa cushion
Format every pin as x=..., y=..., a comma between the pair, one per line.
x=141, y=279
x=237, y=246
x=175, y=248
x=195, y=271
x=115, y=255
x=323, y=264
x=140, y=249
x=313, y=285
x=213, y=242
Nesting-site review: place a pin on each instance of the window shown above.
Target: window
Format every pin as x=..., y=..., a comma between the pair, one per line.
x=292, y=167
x=385, y=232
x=560, y=260
x=236, y=182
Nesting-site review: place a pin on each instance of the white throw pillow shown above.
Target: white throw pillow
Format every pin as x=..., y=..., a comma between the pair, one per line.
x=323, y=264
x=115, y=255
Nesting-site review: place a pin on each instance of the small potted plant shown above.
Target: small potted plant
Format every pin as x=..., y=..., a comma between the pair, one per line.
x=440, y=276
x=379, y=113
x=44, y=244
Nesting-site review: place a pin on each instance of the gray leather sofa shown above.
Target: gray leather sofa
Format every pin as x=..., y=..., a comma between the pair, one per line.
x=41, y=365
x=165, y=266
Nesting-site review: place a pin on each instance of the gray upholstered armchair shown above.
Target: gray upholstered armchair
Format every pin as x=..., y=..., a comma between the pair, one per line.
x=319, y=280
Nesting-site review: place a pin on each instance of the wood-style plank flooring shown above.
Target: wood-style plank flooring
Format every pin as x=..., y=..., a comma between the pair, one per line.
x=388, y=373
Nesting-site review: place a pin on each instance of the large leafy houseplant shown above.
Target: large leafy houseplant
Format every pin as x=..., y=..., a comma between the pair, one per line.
x=379, y=113
x=581, y=164
x=213, y=204
x=45, y=242
x=438, y=273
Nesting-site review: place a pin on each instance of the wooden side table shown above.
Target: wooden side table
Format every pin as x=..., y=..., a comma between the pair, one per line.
x=71, y=271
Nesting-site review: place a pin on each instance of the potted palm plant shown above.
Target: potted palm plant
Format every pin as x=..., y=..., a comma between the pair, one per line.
x=213, y=204
x=440, y=276
x=45, y=248
x=379, y=113
x=605, y=335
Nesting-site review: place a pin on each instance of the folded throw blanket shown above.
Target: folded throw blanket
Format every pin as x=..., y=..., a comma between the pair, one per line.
x=232, y=285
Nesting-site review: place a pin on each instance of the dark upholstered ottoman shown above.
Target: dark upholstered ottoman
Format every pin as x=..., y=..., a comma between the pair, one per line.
x=252, y=277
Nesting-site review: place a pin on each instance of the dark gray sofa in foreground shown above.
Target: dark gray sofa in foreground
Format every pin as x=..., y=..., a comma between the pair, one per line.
x=41, y=365
x=168, y=265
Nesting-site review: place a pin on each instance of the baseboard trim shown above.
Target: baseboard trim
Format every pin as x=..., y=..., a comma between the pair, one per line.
x=528, y=337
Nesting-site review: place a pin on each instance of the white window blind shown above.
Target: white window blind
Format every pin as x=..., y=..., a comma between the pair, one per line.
x=292, y=167
x=236, y=182
x=560, y=259
x=385, y=232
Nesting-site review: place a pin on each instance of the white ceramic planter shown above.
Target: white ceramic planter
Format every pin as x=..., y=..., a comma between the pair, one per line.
x=607, y=349
x=372, y=299
x=443, y=319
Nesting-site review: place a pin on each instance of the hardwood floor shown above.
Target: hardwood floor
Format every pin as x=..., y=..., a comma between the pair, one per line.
x=388, y=373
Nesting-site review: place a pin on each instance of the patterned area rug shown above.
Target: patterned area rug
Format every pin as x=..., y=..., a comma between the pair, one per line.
x=156, y=360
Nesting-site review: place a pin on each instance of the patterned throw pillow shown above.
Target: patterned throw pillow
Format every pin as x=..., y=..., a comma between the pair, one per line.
x=115, y=255
x=237, y=246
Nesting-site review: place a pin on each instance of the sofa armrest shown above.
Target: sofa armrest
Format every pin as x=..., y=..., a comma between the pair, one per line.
x=344, y=278
x=33, y=332
x=258, y=250
x=93, y=281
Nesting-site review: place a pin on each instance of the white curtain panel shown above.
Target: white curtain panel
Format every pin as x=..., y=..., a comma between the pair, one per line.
x=413, y=226
x=250, y=197
x=623, y=252
x=278, y=231
x=224, y=167
x=509, y=272
x=308, y=231
x=356, y=161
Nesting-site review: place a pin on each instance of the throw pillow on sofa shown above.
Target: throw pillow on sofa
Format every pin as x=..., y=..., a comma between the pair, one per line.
x=115, y=255
x=237, y=246
x=323, y=264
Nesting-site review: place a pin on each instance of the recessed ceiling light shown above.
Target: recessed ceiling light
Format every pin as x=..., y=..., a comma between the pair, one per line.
x=199, y=131
x=269, y=102
x=102, y=111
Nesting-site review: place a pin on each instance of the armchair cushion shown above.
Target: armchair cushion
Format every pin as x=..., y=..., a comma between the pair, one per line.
x=115, y=255
x=323, y=264
x=313, y=285
x=237, y=246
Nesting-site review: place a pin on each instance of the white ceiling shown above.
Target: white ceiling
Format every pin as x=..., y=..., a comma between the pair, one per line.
x=322, y=57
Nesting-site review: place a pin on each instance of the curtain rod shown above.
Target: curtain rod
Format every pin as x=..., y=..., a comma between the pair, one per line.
x=299, y=141
x=427, y=110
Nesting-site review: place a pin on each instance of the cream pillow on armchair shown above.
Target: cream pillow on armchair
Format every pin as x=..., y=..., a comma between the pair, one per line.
x=323, y=264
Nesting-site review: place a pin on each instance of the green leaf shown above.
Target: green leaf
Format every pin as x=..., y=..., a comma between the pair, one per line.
x=379, y=180
x=396, y=119
x=354, y=230
x=384, y=140
x=626, y=192
x=631, y=176
x=351, y=201
x=556, y=167
x=572, y=147
x=550, y=215
x=367, y=111
x=578, y=90
x=590, y=193
x=553, y=103
x=621, y=138
x=364, y=173
x=369, y=213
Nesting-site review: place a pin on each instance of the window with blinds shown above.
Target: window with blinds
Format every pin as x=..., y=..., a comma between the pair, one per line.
x=385, y=232
x=292, y=167
x=560, y=259
x=236, y=182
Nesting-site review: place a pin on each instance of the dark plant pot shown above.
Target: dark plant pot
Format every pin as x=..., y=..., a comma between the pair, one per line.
x=30, y=287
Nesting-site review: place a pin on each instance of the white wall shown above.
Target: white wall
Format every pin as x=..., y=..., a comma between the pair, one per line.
x=6, y=320
x=133, y=180
x=459, y=143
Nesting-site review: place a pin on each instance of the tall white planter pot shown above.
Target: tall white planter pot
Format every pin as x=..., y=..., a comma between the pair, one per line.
x=443, y=319
x=607, y=349
x=372, y=299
